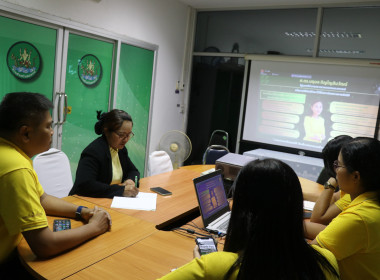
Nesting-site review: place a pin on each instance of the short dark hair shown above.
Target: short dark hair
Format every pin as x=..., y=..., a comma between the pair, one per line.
x=20, y=108
x=363, y=154
x=331, y=151
x=112, y=120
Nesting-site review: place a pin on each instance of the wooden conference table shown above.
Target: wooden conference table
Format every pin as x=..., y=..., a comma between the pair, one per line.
x=134, y=248
x=171, y=208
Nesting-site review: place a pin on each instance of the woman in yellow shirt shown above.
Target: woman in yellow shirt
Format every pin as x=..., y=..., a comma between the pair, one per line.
x=265, y=237
x=353, y=236
x=331, y=202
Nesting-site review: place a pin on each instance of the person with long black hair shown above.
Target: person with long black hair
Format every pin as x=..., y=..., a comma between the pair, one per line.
x=265, y=237
x=104, y=168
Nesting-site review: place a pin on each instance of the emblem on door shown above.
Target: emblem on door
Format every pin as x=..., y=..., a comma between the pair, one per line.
x=23, y=60
x=89, y=70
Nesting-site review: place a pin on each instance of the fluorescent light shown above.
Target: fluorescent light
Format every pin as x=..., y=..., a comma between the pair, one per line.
x=338, y=51
x=341, y=35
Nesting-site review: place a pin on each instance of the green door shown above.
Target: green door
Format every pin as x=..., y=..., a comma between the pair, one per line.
x=133, y=96
x=87, y=86
x=23, y=42
x=59, y=77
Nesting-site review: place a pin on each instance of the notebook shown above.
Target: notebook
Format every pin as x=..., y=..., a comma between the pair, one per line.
x=212, y=199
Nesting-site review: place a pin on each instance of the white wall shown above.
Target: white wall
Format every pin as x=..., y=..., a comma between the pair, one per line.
x=159, y=22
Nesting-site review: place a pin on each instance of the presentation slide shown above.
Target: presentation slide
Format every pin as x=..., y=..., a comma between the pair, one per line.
x=212, y=196
x=303, y=105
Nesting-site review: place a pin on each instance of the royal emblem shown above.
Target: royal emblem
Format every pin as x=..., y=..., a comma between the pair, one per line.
x=89, y=70
x=23, y=60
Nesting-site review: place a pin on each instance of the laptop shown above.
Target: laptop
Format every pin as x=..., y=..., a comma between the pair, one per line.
x=212, y=199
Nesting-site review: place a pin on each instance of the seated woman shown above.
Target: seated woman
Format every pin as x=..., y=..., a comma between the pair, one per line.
x=265, y=235
x=331, y=201
x=104, y=168
x=353, y=236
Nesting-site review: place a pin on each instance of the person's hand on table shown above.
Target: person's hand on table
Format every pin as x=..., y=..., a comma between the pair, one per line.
x=86, y=214
x=101, y=219
x=196, y=253
x=130, y=190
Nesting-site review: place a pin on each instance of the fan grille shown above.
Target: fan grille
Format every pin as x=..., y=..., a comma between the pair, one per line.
x=178, y=146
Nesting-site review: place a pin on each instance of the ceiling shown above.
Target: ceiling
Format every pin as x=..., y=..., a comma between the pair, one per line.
x=244, y=4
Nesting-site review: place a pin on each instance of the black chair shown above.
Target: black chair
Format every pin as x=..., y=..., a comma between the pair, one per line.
x=323, y=176
x=219, y=137
x=213, y=153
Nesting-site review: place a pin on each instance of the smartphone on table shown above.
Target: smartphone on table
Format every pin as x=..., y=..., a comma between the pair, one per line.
x=307, y=214
x=160, y=191
x=206, y=245
x=61, y=224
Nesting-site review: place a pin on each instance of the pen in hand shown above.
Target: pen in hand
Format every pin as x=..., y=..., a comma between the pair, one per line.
x=136, y=185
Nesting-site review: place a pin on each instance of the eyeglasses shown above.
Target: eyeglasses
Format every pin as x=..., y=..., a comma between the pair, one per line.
x=123, y=136
x=336, y=165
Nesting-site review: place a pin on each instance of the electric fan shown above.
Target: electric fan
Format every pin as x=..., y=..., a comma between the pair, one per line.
x=178, y=146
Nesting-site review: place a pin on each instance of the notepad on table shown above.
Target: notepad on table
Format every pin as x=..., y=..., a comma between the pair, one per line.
x=208, y=171
x=143, y=201
x=308, y=205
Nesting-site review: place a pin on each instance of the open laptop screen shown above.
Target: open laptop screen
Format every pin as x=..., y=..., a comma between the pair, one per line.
x=211, y=195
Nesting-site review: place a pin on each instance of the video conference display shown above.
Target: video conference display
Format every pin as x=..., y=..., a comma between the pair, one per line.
x=303, y=105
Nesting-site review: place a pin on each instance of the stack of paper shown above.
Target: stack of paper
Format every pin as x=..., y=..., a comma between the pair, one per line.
x=143, y=201
x=308, y=205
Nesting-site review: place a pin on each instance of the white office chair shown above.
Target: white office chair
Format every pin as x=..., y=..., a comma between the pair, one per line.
x=159, y=162
x=54, y=173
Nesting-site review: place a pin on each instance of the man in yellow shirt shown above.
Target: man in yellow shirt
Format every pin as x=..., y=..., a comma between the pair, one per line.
x=25, y=130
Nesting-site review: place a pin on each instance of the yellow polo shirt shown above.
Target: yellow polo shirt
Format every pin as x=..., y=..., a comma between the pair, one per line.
x=354, y=238
x=344, y=201
x=20, y=192
x=216, y=265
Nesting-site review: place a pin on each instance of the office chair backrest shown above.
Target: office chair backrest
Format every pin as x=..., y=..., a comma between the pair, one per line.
x=213, y=153
x=159, y=162
x=219, y=137
x=54, y=172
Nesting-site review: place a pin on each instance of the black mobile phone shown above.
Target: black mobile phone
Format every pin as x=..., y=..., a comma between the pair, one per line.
x=160, y=191
x=61, y=224
x=307, y=214
x=206, y=245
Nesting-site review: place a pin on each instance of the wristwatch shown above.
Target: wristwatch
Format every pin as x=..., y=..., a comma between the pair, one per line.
x=328, y=185
x=78, y=213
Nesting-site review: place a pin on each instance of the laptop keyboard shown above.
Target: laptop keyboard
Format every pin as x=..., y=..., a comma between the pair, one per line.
x=223, y=226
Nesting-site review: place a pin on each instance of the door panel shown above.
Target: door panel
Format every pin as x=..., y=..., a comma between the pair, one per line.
x=44, y=40
x=60, y=53
x=134, y=90
x=83, y=100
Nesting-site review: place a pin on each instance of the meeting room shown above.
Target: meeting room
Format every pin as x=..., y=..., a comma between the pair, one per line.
x=189, y=139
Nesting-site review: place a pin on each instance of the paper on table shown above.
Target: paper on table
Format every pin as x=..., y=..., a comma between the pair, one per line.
x=308, y=205
x=208, y=171
x=143, y=201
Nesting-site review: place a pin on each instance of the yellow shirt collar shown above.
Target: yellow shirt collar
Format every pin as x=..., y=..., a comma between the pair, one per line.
x=364, y=196
x=4, y=141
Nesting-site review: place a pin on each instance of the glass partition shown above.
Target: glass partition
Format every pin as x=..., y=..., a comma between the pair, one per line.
x=351, y=32
x=257, y=31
